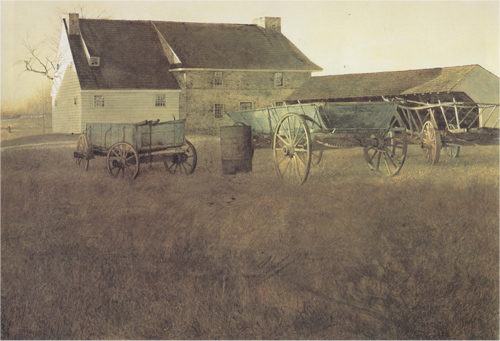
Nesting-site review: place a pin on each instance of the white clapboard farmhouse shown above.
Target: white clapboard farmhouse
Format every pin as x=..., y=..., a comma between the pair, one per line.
x=121, y=71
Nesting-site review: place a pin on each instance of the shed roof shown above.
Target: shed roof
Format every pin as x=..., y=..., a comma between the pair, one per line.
x=391, y=83
x=132, y=56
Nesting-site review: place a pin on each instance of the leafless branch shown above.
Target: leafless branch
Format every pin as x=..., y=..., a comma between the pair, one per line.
x=33, y=63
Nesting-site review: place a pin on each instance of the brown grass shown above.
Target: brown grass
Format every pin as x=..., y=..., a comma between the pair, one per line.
x=347, y=255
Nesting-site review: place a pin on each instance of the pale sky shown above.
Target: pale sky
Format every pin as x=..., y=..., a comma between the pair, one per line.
x=341, y=37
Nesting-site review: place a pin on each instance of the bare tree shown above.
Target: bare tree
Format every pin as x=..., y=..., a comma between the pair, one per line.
x=34, y=62
x=44, y=61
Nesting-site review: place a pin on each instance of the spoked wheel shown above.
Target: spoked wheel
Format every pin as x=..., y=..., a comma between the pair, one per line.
x=387, y=154
x=182, y=163
x=452, y=151
x=123, y=159
x=292, y=149
x=82, y=148
x=431, y=142
x=316, y=156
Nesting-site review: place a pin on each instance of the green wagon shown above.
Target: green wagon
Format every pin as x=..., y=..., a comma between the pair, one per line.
x=127, y=145
x=300, y=133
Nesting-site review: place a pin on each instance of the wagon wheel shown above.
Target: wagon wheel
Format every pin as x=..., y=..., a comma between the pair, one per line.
x=292, y=149
x=431, y=142
x=387, y=153
x=452, y=151
x=316, y=156
x=182, y=163
x=82, y=148
x=122, y=158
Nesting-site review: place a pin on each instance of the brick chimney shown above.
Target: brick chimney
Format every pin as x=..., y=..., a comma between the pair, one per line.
x=74, y=24
x=272, y=24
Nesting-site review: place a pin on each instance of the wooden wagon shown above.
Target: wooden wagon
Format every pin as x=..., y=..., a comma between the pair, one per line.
x=300, y=133
x=127, y=145
x=447, y=125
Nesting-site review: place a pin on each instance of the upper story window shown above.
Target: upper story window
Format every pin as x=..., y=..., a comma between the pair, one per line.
x=94, y=61
x=161, y=100
x=246, y=105
x=218, y=110
x=278, y=79
x=98, y=101
x=217, y=78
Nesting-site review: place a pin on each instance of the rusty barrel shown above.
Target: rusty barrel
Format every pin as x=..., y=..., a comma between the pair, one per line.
x=236, y=149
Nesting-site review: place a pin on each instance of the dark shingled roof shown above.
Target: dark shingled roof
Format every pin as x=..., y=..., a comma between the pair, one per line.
x=382, y=83
x=132, y=57
x=232, y=46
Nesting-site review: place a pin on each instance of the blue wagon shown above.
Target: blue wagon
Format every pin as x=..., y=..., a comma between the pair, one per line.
x=127, y=145
x=299, y=134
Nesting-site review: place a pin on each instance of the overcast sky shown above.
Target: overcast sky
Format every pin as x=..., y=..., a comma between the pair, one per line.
x=341, y=37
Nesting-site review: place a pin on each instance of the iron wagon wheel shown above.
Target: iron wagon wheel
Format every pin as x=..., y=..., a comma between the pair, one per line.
x=182, y=163
x=123, y=159
x=452, y=151
x=83, y=148
x=387, y=154
x=292, y=149
x=431, y=142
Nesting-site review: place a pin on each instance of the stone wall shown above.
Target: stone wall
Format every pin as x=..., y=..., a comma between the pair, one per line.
x=199, y=94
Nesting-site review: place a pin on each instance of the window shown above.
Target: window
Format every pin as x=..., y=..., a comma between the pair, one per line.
x=94, y=61
x=161, y=100
x=217, y=78
x=218, y=110
x=246, y=105
x=279, y=104
x=278, y=79
x=98, y=101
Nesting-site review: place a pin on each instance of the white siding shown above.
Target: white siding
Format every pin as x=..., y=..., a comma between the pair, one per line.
x=66, y=115
x=129, y=106
x=482, y=87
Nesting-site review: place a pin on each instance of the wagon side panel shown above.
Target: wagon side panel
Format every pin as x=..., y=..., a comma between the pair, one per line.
x=165, y=134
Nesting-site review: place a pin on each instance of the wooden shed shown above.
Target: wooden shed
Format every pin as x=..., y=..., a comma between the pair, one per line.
x=468, y=83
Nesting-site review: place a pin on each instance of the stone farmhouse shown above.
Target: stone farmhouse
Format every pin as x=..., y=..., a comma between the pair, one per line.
x=121, y=71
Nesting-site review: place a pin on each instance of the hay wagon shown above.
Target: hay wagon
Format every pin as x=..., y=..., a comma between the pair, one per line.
x=127, y=145
x=300, y=133
x=447, y=125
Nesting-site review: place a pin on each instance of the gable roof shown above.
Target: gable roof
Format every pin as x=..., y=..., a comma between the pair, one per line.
x=232, y=46
x=377, y=84
x=132, y=55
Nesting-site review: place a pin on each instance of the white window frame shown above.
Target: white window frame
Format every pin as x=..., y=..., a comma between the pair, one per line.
x=279, y=79
x=218, y=78
x=98, y=101
x=245, y=103
x=160, y=100
x=218, y=110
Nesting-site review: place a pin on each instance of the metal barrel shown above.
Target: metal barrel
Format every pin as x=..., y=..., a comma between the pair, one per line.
x=236, y=149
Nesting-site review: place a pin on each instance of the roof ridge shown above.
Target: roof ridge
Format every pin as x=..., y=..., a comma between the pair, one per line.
x=395, y=71
x=168, y=21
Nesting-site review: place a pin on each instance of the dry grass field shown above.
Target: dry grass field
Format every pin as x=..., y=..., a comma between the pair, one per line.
x=348, y=255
